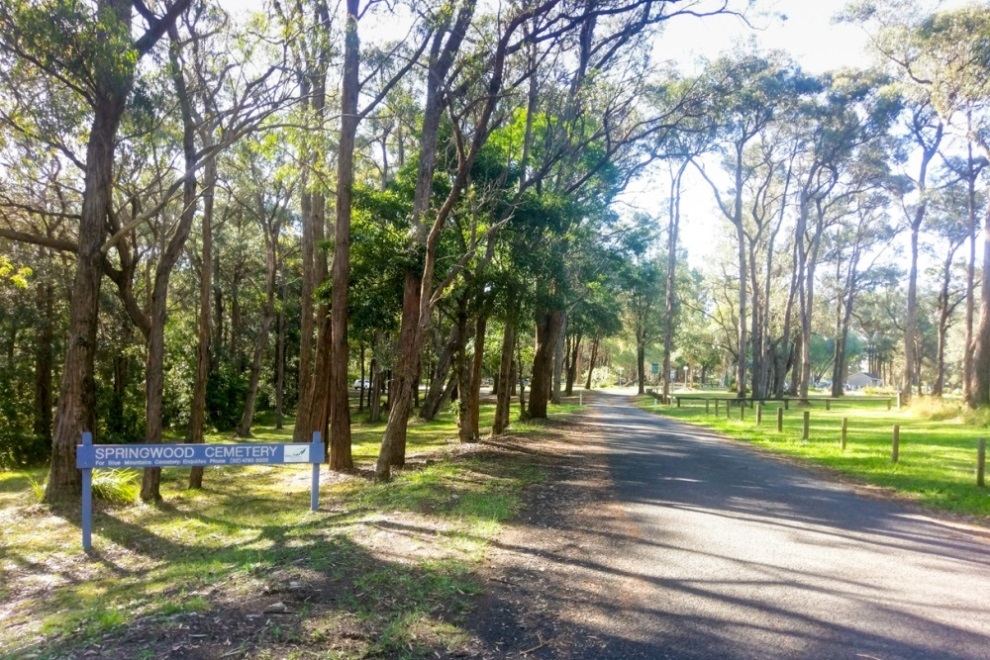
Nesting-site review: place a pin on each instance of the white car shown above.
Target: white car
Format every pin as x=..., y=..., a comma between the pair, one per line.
x=362, y=384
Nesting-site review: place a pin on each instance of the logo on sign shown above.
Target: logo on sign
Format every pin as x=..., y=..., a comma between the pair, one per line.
x=296, y=454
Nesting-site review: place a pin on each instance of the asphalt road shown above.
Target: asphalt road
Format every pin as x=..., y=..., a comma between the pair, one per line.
x=730, y=554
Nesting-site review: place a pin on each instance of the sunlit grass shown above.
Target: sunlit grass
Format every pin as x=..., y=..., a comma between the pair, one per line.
x=937, y=457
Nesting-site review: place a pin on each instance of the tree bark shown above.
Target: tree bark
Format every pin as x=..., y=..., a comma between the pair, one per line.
x=272, y=229
x=435, y=399
x=504, y=387
x=197, y=418
x=340, y=413
x=548, y=326
x=76, y=410
x=155, y=370
x=474, y=390
x=592, y=361
x=44, y=360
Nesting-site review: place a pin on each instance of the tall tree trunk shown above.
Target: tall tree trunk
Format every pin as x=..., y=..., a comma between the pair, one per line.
x=340, y=414
x=280, y=355
x=910, y=320
x=558, y=360
x=435, y=394
x=473, y=394
x=979, y=388
x=548, y=326
x=261, y=340
x=573, y=364
x=641, y=367
x=462, y=373
x=155, y=370
x=673, y=228
x=970, y=273
x=197, y=416
x=504, y=387
x=44, y=359
x=592, y=361
x=77, y=396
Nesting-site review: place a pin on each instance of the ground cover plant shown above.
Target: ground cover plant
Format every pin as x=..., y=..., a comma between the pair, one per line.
x=243, y=566
x=937, y=456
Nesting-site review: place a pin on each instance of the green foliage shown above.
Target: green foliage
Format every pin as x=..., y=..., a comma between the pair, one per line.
x=225, y=394
x=116, y=486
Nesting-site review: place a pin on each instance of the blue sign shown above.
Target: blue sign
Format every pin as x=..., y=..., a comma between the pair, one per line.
x=90, y=456
x=191, y=455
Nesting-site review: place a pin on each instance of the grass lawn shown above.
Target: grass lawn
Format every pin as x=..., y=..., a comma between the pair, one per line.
x=937, y=465
x=380, y=570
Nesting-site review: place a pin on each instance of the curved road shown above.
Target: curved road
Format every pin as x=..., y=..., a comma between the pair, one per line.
x=725, y=553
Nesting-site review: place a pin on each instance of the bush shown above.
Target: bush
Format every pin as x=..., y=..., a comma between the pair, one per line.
x=20, y=450
x=926, y=407
x=111, y=486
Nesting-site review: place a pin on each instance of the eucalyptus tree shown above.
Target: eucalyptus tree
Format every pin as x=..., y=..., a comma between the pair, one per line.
x=924, y=132
x=839, y=126
x=948, y=233
x=309, y=36
x=106, y=47
x=859, y=248
x=752, y=92
x=944, y=54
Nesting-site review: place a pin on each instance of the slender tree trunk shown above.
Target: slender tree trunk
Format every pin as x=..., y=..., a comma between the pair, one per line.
x=155, y=370
x=548, y=326
x=462, y=373
x=640, y=367
x=504, y=387
x=340, y=414
x=673, y=228
x=970, y=275
x=434, y=399
x=910, y=322
x=44, y=360
x=280, y=357
x=197, y=417
x=979, y=389
x=591, y=363
x=261, y=340
x=474, y=392
x=573, y=364
x=558, y=360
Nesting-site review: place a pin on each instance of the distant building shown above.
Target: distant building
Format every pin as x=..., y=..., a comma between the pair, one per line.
x=863, y=379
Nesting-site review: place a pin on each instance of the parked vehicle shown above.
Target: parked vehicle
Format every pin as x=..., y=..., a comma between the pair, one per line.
x=362, y=384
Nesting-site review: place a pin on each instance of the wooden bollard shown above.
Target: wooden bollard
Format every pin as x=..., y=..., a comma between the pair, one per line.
x=707, y=402
x=898, y=400
x=888, y=404
x=895, y=450
x=981, y=462
x=678, y=402
x=787, y=404
x=728, y=408
x=828, y=404
x=807, y=424
x=845, y=429
x=759, y=414
x=716, y=407
x=780, y=420
x=742, y=412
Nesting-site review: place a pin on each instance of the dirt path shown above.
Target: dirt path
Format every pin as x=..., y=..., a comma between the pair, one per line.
x=656, y=539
